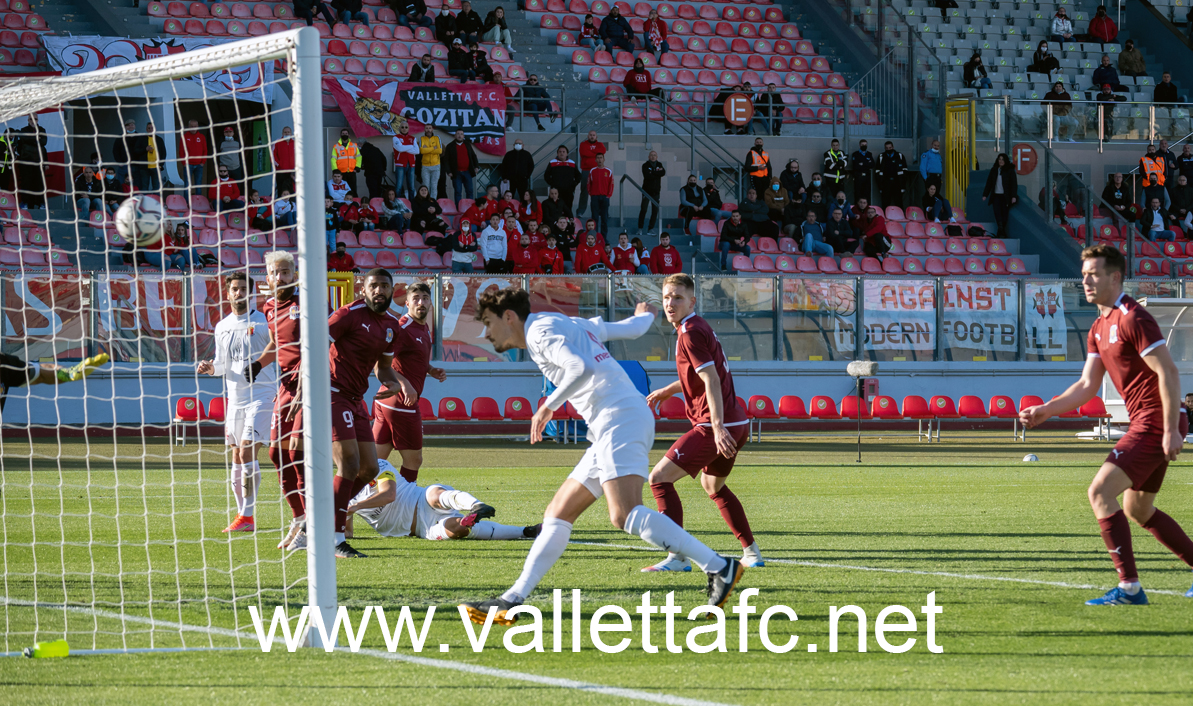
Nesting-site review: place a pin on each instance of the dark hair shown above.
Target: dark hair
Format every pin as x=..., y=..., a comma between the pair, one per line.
x=681, y=279
x=422, y=287
x=238, y=277
x=380, y=272
x=1112, y=256
x=341, y=245
x=503, y=300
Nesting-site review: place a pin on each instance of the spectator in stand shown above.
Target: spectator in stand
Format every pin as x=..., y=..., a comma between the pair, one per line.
x=1155, y=222
x=374, y=164
x=496, y=30
x=562, y=174
x=974, y=73
x=423, y=71
x=589, y=149
x=163, y=254
x=936, y=207
x=813, y=237
x=932, y=165
x=412, y=12
x=1043, y=62
x=1062, y=105
x=1102, y=28
x=638, y=83
x=480, y=63
x=693, y=202
x=468, y=24
x=835, y=167
x=616, y=32
x=1062, y=26
x=859, y=209
x=862, y=163
x=600, y=187
x=665, y=259
x=350, y=214
x=1153, y=189
x=1165, y=93
x=590, y=256
x=793, y=219
x=768, y=110
x=459, y=159
x=840, y=202
x=148, y=151
x=717, y=109
x=875, y=241
x=285, y=215
x=756, y=216
x=337, y=188
x=494, y=245
x=406, y=150
x=1106, y=73
x=564, y=231
x=340, y=260
x=1154, y=165
x=735, y=236
x=536, y=101
x=346, y=157
x=113, y=193
x=460, y=63
x=553, y=207
x=1118, y=198
x=430, y=154
x=529, y=209
x=590, y=229
x=653, y=172
x=1001, y=191
x=551, y=261
x=516, y=167
x=839, y=233
x=1169, y=160
x=1130, y=61
x=625, y=257
x=793, y=181
x=425, y=213
x=445, y=27
x=654, y=35
x=331, y=222
x=522, y=256
x=351, y=10
x=1108, y=100
x=589, y=35
x=892, y=176
x=816, y=203
x=1184, y=162
x=283, y=160
x=394, y=214
x=776, y=199
x=757, y=165
x=369, y=216
x=88, y=193
x=307, y=9
x=715, y=210
x=1181, y=212
x=194, y=152
x=463, y=246
x=259, y=213
x=224, y=194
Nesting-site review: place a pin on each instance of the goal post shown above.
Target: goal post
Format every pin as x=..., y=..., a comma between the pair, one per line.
x=110, y=531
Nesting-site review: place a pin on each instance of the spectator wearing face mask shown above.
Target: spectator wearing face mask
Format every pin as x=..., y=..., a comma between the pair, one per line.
x=1043, y=62
x=616, y=31
x=1062, y=26
x=975, y=73
x=776, y=199
x=516, y=167
x=932, y=165
x=1130, y=61
x=1102, y=28
x=464, y=246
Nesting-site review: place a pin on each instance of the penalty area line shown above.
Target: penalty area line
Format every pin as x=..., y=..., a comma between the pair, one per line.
x=587, y=687
x=916, y=572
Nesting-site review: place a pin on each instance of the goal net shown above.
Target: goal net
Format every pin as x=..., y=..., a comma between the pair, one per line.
x=116, y=489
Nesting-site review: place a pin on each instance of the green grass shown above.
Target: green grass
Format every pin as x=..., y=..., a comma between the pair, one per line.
x=966, y=506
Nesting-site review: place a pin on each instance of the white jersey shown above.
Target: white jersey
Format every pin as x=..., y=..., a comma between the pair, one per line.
x=240, y=339
x=395, y=518
x=571, y=353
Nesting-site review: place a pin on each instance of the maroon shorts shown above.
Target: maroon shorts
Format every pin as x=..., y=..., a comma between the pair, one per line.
x=696, y=451
x=1140, y=453
x=279, y=428
x=350, y=419
x=402, y=429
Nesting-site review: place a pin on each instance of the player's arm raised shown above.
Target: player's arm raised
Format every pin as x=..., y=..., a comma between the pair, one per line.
x=1078, y=394
x=1159, y=359
x=576, y=371
x=627, y=329
x=716, y=411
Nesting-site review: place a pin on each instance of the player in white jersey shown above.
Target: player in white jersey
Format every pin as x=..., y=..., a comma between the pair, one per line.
x=572, y=355
x=395, y=507
x=240, y=338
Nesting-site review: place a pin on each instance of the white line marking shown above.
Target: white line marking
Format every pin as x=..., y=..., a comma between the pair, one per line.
x=615, y=691
x=969, y=577
x=135, y=650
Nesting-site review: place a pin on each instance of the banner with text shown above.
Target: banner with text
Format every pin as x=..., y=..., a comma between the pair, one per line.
x=379, y=107
x=900, y=315
x=980, y=314
x=1044, y=326
x=76, y=55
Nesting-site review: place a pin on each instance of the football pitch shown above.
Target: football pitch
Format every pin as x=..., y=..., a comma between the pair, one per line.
x=1010, y=549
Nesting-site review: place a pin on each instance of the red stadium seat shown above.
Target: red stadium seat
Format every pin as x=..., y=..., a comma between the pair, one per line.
x=1030, y=401
x=485, y=409
x=792, y=407
x=942, y=407
x=850, y=407
x=915, y=407
x=884, y=407
x=215, y=410
x=971, y=407
x=673, y=408
x=1003, y=407
x=452, y=409
x=822, y=407
x=761, y=407
x=518, y=409
x=188, y=409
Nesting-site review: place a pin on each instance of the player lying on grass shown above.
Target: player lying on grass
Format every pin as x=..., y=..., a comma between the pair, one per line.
x=395, y=507
x=15, y=372
x=571, y=354
x=1126, y=342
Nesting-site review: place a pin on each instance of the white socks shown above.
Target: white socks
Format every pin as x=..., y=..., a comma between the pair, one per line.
x=340, y=538
x=661, y=531
x=455, y=499
x=238, y=486
x=545, y=551
x=246, y=480
x=492, y=530
x=1130, y=588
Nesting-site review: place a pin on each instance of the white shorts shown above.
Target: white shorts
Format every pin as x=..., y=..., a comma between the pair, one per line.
x=621, y=442
x=428, y=521
x=248, y=423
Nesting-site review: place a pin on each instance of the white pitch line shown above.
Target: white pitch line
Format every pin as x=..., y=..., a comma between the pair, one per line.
x=968, y=577
x=613, y=691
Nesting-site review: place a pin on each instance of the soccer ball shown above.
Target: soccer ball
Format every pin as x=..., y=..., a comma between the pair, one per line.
x=139, y=220
x=1030, y=457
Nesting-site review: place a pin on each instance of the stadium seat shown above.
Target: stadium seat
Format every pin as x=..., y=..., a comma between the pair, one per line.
x=425, y=410
x=452, y=409
x=884, y=407
x=518, y=409
x=1030, y=401
x=485, y=409
x=188, y=409
x=672, y=408
x=792, y=407
x=761, y=407
x=1094, y=409
x=942, y=407
x=387, y=259
x=1003, y=407
x=215, y=410
x=971, y=407
x=822, y=407
x=915, y=407
x=850, y=406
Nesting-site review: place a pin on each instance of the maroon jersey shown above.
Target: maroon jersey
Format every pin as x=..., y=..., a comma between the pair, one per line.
x=359, y=339
x=412, y=357
x=287, y=332
x=696, y=349
x=1121, y=339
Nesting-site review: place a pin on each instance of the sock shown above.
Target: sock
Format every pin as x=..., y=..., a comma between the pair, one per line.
x=1131, y=588
x=238, y=486
x=340, y=537
x=1169, y=533
x=492, y=530
x=734, y=514
x=457, y=500
x=341, y=489
x=251, y=486
x=1116, y=532
x=545, y=551
x=292, y=484
x=275, y=457
x=667, y=497
x=410, y=474
x=659, y=530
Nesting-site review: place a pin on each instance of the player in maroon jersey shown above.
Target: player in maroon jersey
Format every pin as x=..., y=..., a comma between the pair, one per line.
x=1126, y=342
x=719, y=424
x=285, y=426
x=364, y=336
x=397, y=425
